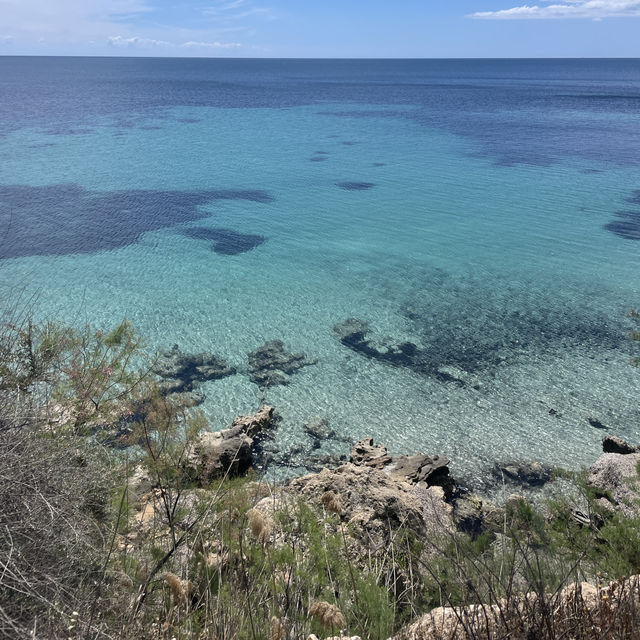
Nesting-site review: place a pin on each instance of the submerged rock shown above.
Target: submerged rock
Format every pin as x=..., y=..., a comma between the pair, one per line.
x=271, y=365
x=318, y=428
x=532, y=474
x=594, y=422
x=182, y=370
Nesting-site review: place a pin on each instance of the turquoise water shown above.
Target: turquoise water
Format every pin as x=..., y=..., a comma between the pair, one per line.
x=502, y=269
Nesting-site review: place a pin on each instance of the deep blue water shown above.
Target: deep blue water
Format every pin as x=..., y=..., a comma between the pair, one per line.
x=482, y=217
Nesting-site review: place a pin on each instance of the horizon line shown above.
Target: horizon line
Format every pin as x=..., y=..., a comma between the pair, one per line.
x=355, y=58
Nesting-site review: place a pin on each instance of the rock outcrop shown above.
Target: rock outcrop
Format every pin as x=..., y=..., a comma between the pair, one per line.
x=230, y=451
x=615, y=444
x=602, y=610
x=375, y=496
x=616, y=476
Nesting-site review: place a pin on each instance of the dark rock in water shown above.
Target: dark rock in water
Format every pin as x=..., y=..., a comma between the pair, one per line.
x=355, y=186
x=82, y=221
x=325, y=461
x=452, y=374
x=627, y=224
x=533, y=474
x=271, y=365
x=353, y=334
x=614, y=444
x=594, y=422
x=186, y=399
x=319, y=430
x=189, y=369
x=226, y=242
x=634, y=198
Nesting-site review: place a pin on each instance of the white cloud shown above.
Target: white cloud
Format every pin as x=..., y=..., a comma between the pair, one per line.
x=584, y=9
x=211, y=45
x=137, y=42
x=132, y=27
x=119, y=41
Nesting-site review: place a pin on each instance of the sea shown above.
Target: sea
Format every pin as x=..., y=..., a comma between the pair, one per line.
x=454, y=245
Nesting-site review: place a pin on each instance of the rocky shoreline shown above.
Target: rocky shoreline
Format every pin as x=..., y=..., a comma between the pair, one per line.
x=414, y=489
x=377, y=502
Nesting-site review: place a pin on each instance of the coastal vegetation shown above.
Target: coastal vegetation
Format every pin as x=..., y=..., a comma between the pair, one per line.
x=120, y=519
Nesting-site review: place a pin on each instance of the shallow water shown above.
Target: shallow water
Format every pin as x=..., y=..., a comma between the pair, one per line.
x=486, y=212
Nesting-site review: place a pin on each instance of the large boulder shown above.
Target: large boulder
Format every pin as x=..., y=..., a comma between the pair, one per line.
x=229, y=452
x=615, y=444
x=617, y=477
x=374, y=503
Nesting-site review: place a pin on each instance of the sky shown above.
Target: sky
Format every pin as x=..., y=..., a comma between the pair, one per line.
x=322, y=28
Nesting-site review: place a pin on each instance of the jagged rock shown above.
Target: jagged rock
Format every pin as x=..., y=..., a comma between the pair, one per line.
x=614, y=444
x=230, y=451
x=189, y=369
x=467, y=513
x=434, y=470
x=616, y=476
x=533, y=474
x=365, y=452
x=271, y=365
x=257, y=424
x=373, y=502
